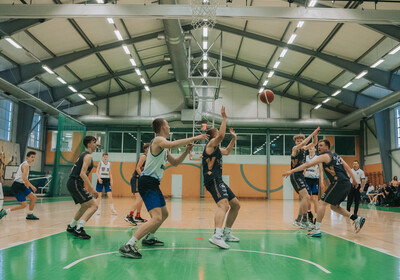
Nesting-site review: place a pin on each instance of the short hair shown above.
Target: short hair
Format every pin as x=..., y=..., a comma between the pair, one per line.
x=356, y=161
x=297, y=136
x=326, y=142
x=211, y=132
x=88, y=139
x=146, y=145
x=105, y=154
x=157, y=124
x=30, y=153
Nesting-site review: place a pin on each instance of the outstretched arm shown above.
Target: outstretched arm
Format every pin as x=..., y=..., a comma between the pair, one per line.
x=313, y=143
x=349, y=172
x=304, y=142
x=178, y=160
x=165, y=144
x=221, y=134
x=319, y=159
x=226, y=151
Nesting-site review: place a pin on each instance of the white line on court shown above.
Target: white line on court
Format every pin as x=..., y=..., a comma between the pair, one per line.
x=211, y=230
x=24, y=242
x=235, y=250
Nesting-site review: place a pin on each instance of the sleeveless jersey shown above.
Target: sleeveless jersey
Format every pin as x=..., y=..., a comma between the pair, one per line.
x=18, y=175
x=334, y=170
x=313, y=171
x=104, y=170
x=76, y=170
x=155, y=164
x=298, y=160
x=212, y=165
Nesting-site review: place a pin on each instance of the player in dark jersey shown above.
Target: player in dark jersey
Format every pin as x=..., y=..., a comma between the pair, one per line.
x=77, y=179
x=221, y=193
x=137, y=205
x=338, y=173
x=298, y=157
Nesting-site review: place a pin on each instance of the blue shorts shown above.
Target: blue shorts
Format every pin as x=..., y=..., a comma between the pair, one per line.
x=149, y=190
x=312, y=186
x=20, y=191
x=106, y=184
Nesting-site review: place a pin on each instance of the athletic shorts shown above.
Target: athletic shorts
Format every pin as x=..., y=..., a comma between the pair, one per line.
x=336, y=192
x=106, y=184
x=20, y=191
x=134, y=184
x=312, y=186
x=298, y=181
x=149, y=190
x=219, y=190
x=77, y=190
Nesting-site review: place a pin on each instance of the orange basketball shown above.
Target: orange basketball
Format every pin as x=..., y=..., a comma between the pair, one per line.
x=267, y=96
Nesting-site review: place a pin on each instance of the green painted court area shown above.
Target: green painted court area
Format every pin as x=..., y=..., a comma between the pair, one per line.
x=261, y=254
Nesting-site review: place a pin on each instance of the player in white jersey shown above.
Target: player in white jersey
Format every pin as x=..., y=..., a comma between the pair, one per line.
x=22, y=189
x=105, y=181
x=314, y=179
x=149, y=185
x=355, y=192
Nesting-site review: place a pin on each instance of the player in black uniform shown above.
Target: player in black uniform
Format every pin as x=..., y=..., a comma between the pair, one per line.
x=221, y=193
x=338, y=173
x=298, y=157
x=77, y=179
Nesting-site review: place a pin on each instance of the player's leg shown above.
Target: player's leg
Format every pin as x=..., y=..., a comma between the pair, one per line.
x=230, y=219
x=111, y=201
x=32, y=201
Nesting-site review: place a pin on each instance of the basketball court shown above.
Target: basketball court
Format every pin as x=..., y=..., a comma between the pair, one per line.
x=107, y=69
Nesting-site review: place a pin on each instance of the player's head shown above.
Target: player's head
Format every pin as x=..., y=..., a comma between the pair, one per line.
x=298, y=138
x=146, y=147
x=90, y=142
x=323, y=146
x=356, y=165
x=312, y=150
x=161, y=127
x=212, y=132
x=395, y=178
x=105, y=156
x=30, y=156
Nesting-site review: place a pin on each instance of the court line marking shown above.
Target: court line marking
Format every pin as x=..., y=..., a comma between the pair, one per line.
x=235, y=250
x=210, y=231
x=15, y=244
x=380, y=250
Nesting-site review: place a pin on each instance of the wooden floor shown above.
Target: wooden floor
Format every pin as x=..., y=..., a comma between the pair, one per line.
x=381, y=231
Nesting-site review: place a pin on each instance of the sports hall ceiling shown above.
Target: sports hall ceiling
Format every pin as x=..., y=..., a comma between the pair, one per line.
x=86, y=54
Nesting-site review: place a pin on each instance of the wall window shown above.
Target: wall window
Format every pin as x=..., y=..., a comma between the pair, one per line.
x=6, y=112
x=115, y=142
x=129, y=142
x=397, y=124
x=36, y=131
x=345, y=145
x=289, y=144
x=276, y=144
x=243, y=144
x=259, y=144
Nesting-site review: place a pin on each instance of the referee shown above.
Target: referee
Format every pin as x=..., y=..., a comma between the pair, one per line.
x=356, y=190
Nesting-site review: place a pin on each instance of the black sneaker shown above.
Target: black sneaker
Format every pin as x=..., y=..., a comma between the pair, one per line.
x=130, y=251
x=31, y=217
x=152, y=242
x=71, y=229
x=129, y=219
x=140, y=220
x=80, y=233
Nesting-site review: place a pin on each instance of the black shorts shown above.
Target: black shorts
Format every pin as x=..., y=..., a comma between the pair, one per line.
x=298, y=181
x=336, y=192
x=135, y=184
x=77, y=190
x=219, y=190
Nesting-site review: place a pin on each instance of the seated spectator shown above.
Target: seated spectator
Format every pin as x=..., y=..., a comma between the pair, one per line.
x=378, y=196
x=388, y=195
x=371, y=193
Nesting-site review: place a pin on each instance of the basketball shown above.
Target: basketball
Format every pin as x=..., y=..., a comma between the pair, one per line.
x=267, y=96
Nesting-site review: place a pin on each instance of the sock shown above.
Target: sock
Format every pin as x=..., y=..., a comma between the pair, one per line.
x=8, y=210
x=138, y=214
x=304, y=218
x=353, y=217
x=81, y=224
x=131, y=213
x=150, y=235
x=112, y=206
x=310, y=214
x=30, y=212
x=132, y=241
x=227, y=230
x=73, y=223
x=218, y=231
x=298, y=219
x=317, y=225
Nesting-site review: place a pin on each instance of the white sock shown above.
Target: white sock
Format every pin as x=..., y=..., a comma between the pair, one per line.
x=112, y=206
x=227, y=230
x=317, y=225
x=30, y=212
x=150, y=235
x=73, y=223
x=81, y=224
x=218, y=231
x=8, y=210
x=132, y=241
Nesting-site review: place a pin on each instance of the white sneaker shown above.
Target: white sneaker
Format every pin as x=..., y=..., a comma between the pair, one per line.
x=315, y=233
x=114, y=212
x=308, y=225
x=358, y=224
x=218, y=241
x=230, y=238
x=297, y=224
x=98, y=212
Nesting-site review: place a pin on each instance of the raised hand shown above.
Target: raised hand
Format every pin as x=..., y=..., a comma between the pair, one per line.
x=202, y=137
x=232, y=132
x=316, y=131
x=223, y=114
x=189, y=147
